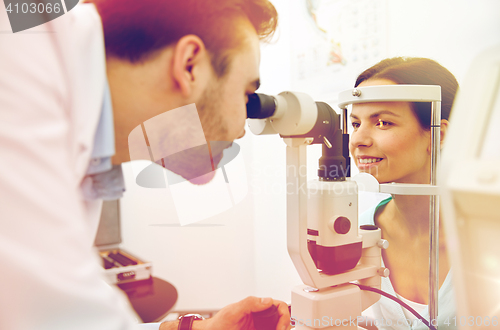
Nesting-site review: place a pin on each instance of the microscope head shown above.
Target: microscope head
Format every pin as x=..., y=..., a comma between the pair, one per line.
x=297, y=115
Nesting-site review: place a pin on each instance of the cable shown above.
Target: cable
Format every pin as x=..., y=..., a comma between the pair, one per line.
x=414, y=312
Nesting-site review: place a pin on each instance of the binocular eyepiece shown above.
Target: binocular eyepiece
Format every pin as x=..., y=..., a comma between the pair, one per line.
x=261, y=106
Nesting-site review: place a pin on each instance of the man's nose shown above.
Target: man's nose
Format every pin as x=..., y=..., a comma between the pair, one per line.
x=242, y=134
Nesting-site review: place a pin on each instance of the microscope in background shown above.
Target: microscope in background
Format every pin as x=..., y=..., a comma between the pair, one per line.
x=339, y=263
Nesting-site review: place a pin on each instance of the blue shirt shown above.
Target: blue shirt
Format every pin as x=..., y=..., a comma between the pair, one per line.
x=103, y=180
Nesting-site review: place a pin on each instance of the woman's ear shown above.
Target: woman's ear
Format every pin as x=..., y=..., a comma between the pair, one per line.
x=189, y=53
x=444, y=130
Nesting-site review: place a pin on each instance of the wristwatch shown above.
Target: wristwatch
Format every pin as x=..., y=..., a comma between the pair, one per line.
x=186, y=321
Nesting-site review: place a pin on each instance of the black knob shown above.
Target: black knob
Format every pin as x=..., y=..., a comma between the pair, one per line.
x=266, y=319
x=342, y=225
x=368, y=227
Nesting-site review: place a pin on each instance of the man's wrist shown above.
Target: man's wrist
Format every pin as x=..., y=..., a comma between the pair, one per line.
x=169, y=325
x=174, y=325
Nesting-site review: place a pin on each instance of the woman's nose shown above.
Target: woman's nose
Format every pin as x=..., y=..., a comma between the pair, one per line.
x=361, y=137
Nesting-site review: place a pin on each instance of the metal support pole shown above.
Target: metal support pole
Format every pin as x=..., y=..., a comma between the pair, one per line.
x=434, y=215
x=344, y=121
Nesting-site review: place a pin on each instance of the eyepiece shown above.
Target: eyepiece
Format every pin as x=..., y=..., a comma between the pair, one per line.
x=260, y=106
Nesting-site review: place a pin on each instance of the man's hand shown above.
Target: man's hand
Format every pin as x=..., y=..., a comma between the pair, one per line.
x=238, y=316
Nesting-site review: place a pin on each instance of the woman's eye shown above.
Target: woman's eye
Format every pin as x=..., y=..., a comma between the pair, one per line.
x=383, y=124
x=355, y=125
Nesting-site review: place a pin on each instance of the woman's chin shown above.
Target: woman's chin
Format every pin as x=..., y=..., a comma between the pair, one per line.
x=203, y=179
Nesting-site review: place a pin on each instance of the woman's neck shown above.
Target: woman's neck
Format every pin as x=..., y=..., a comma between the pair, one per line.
x=406, y=217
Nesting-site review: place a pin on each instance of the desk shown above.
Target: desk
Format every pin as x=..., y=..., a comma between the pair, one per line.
x=151, y=299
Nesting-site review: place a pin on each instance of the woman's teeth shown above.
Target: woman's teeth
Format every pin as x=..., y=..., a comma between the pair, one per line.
x=369, y=160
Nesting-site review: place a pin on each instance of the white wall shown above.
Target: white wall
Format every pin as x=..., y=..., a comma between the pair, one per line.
x=451, y=32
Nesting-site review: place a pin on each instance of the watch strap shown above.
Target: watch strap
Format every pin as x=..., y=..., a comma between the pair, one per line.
x=186, y=321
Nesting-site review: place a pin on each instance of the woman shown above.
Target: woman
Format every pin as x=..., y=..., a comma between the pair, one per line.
x=391, y=141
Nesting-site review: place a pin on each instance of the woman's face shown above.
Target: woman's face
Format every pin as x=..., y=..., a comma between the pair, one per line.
x=388, y=141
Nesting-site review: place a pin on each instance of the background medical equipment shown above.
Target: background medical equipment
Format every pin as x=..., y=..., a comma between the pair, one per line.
x=324, y=242
x=151, y=297
x=119, y=265
x=470, y=176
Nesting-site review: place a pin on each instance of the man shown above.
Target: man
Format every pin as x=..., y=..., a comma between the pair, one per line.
x=61, y=148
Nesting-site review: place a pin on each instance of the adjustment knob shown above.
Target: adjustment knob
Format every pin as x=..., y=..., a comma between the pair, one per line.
x=383, y=244
x=342, y=225
x=266, y=319
x=384, y=272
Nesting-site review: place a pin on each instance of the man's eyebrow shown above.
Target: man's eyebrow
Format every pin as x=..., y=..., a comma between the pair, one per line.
x=378, y=113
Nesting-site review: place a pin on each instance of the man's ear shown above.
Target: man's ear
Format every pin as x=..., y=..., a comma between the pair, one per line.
x=189, y=54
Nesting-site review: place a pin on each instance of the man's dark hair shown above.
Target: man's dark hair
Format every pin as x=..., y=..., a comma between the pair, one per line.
x=419, y=71
x=135, y=29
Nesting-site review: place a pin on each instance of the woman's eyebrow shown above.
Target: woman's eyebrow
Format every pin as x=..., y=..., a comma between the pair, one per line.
x=377, y=114
x=384, y=112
